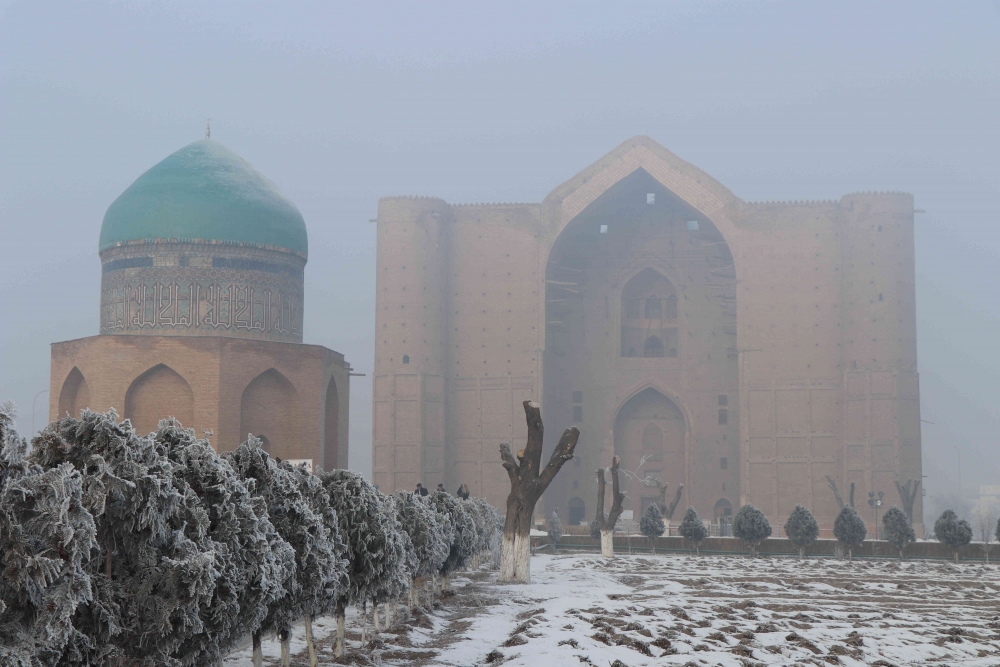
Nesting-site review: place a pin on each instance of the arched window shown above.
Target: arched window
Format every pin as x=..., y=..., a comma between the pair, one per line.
x=649, y=314
x=654, y=308
x=75, y=394
x=653, y=347
x=406, y=358
x=270, y=407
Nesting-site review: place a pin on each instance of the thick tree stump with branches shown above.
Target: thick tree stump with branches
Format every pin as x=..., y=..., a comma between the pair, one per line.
x=527, y=483
x=667, y=510
x=606, y=523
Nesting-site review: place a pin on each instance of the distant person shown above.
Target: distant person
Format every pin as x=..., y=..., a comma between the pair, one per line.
x=441, y=488
x=421, y=489
x=463, y=492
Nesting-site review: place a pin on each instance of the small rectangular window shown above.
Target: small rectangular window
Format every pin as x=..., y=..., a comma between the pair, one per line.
x=653, y=474
x=723, y=416
x=692, y=225
x=577, y=413
x=723, y=399
x=604, y=229
x=651, y=198
x=724, y=463
x=578, y=397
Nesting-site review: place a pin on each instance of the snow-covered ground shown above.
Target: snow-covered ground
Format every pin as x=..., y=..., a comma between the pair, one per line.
x=694, y=611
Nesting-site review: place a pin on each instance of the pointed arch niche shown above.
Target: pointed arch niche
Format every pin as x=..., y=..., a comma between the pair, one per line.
x=649, y=437
x=159, y=393
x=649, y=316
x=269, y=409
x=74, y=395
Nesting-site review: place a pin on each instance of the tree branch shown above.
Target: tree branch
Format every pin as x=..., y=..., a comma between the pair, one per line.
x=509, y=462
x=836, y=491
x=669, y=511
x=531, y=455
x=619, y=497
x=601, y=486
x=560, y=455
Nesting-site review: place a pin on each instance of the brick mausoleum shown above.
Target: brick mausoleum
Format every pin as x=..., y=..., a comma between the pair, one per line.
x=201, y=315
x=746, y=350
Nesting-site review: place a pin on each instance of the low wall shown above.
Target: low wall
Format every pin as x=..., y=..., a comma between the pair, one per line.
x=774, y=547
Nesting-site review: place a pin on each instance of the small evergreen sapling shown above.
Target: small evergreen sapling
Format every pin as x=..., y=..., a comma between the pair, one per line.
x=555, y=530
x=651, y=524
x=463, y=544
x=751, y=527
x=430, y=534
x=897, y=529
x=802, y=529
x=951, y=530
x=692, y=528
x=375, y=544
x=850, y=530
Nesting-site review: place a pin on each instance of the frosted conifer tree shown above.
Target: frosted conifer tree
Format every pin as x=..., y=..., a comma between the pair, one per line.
x=693, y=528
x=319, y=601
x=240, y=534
x=312, y=562
x=850, y=529
x=430, y=535
x=801, y=528
x=494, y=523
x=463, y=544
x=751, y=527
x=898, y=530
x=374, y=540
x=555, y=529
x=150, y=580
x=46, y=537
x=651, y=523
x=951, y=530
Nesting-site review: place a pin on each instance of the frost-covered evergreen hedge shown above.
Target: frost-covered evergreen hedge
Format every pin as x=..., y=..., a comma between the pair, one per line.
x=154, y=550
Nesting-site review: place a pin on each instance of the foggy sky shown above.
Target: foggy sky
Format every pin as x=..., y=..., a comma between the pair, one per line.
x=341, y=104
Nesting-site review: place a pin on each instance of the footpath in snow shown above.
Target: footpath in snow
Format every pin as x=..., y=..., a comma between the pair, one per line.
x=694, y=611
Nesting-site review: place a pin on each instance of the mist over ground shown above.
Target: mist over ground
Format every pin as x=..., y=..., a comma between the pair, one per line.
x=341, y=104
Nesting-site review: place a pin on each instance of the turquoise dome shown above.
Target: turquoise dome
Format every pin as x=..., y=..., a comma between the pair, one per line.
x=207, y=192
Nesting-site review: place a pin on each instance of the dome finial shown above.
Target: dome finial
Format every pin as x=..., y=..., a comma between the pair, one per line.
x=208, y=128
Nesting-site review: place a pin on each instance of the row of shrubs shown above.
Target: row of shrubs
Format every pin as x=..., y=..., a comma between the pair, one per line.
x=154, y=550
x=752, y=527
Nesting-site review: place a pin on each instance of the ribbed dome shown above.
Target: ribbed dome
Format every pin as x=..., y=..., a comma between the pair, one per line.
x=207, y=192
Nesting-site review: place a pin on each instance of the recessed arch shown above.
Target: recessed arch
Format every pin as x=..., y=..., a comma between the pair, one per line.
x=74, y=395
x=723, y=508
x=649, y=315
x=159, y=393
x=269, y=408
x=650, y=433
x=577, y=511
x=331, y=421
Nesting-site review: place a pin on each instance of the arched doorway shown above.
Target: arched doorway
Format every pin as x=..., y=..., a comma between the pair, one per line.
x=159, y=393
x=269, y=409
x=577, y=511
x=723, y=508
x=74, y=395
x=649, y=437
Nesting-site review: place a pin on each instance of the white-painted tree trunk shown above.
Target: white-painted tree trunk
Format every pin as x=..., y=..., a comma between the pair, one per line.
x=338, y=650
x=375, y=618
x=515, y=560
x=258, y=654
x=307, y=622
x=285, y=653
x=608, y=543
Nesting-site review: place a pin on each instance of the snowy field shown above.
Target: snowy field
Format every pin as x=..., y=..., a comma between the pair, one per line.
x=694, y=611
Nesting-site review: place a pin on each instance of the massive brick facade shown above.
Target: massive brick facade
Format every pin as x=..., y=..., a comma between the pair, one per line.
x=746, y=350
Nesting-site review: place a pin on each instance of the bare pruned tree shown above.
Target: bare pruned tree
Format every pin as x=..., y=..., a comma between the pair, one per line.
x=606, y=522
x=907, y=496
x=527, y=483
x=836, y=493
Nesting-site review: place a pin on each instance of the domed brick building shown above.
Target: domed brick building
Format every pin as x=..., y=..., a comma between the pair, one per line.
x=202, y=282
